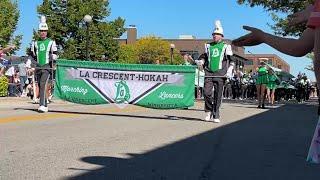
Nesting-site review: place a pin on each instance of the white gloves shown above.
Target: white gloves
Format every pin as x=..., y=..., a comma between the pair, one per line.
x=54, y=57
x=199, y=62
x=230, y=72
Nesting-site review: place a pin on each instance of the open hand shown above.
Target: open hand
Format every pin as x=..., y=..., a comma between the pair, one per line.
x=255, y=37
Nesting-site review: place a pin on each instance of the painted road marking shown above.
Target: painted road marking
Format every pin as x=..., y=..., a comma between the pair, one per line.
x=68, y=114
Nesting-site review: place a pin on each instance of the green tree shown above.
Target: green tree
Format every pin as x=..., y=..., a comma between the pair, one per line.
x=128, y=54
x=9, y=16
x=149, y=50
x=274, y=7
x=281, y=27
x=68, y=29
x=153, y=50
x=310, y=66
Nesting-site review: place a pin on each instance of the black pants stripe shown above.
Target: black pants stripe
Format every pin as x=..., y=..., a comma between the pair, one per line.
x=213, y=100
x=43, y=76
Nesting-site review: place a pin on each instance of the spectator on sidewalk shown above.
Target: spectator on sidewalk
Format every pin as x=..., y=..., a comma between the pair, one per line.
x=23, y=76
x=4, y=63
x=14, y=85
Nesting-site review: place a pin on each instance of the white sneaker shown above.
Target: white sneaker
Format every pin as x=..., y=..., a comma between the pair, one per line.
x=43, y=109
x=216, y=120
x=35, y=101
x=208, y=116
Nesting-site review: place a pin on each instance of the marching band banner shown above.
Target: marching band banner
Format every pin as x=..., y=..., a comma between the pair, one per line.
x=152, y=86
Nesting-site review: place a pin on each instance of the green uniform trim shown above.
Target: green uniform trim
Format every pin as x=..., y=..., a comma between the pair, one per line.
x=216, y=53
x=43, y=48
x=272, y=84
x=262, y=76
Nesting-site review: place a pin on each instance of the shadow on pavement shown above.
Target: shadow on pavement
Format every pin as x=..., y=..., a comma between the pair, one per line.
x=165, y=117
x=269, y=146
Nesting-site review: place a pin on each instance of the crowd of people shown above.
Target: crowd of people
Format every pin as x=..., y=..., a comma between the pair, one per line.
x=22, y=81
x=246, y=86
x=217, y=78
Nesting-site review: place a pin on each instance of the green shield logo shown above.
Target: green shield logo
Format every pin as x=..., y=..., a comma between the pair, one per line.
x=215, y=52
x=123, y=92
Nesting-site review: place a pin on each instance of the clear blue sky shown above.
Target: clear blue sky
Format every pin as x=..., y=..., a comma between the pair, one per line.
x=169, y=19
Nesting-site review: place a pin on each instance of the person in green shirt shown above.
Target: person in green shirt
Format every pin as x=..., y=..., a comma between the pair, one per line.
x=261, y=84
x=271, y=86
x=44, y=51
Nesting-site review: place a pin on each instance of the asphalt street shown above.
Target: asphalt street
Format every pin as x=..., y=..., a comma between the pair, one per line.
x=74, y=142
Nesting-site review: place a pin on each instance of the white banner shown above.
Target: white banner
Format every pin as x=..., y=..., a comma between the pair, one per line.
x=135, y=76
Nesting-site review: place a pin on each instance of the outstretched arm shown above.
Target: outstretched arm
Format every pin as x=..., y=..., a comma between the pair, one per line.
x=294, y=47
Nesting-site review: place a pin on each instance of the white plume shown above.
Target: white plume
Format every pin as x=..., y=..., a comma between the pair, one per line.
x=218, y=24
x=43, y=19
x=218, y=28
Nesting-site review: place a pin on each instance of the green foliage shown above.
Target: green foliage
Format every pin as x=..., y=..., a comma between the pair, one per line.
x=128, y=54
x=9, y=16
x=68, y=29
x=149, y=50
x=284, y=6
x=3, y=86
x=310, y=66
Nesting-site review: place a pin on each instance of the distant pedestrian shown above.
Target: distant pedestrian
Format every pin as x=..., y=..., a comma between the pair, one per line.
x=261, y=84
x=271, y=86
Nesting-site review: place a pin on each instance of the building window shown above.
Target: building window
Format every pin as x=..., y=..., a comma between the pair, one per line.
x=249, y=62
x=279, y=66
x=270, y=62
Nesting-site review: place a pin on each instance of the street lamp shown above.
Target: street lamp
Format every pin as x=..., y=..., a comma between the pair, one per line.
x=87, y=19
x=172, y=46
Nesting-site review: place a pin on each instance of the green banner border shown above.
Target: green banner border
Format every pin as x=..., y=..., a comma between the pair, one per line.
x=127, y=67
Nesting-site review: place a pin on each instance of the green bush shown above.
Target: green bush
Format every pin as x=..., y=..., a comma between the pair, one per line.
x=3, y=86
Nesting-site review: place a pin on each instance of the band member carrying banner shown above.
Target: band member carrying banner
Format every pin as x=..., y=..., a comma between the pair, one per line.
x=44, y=51
x=215, y=62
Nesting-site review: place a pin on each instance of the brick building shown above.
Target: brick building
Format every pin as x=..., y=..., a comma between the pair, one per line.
x=271, y=59
x=188, y=44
